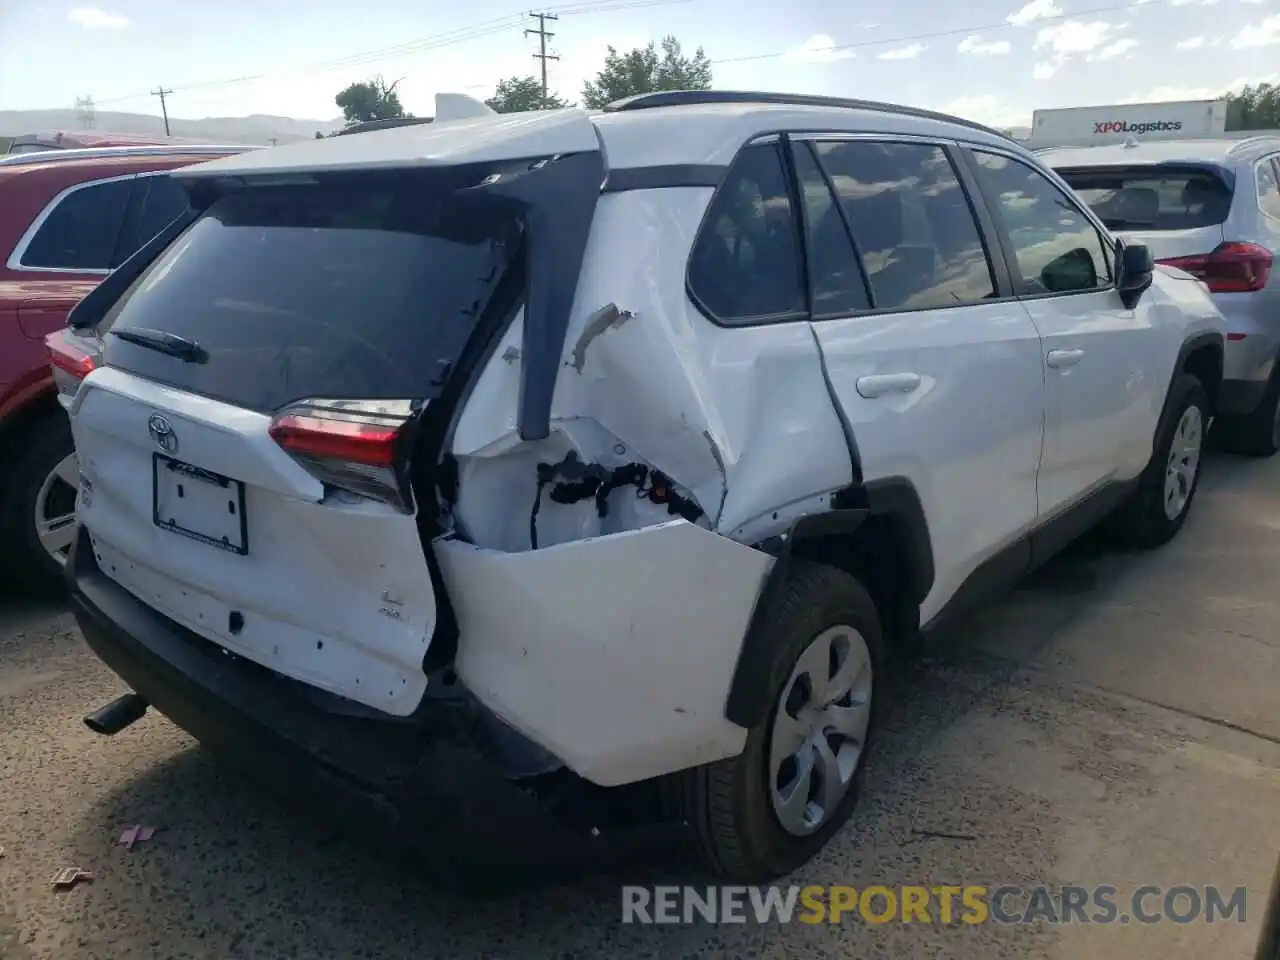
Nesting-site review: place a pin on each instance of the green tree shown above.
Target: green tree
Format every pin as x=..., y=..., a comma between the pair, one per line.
x=371, y=100
x=1254, y=108
x=645, y=70
x=518, y=94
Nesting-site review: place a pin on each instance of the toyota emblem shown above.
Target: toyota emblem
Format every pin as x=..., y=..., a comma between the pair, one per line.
x=161, y=431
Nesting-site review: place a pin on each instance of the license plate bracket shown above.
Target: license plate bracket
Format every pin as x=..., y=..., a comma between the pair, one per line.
x=199, y=504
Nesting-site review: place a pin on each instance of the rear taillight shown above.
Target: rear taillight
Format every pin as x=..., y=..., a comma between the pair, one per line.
x=359, y=446
x=1230, y=268
x=72, y=357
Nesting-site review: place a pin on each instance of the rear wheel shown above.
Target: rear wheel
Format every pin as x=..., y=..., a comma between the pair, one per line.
x=1256, y=434
x=769, y=810
x=1158, y=508
x=37, y=506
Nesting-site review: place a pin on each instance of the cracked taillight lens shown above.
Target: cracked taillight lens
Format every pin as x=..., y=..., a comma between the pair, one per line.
x=360, y=446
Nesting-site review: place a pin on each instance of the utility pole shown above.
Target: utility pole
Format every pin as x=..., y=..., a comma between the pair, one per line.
x=542, y=55
x=84, y=112
x=161, y=92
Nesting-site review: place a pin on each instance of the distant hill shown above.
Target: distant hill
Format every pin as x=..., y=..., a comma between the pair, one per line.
x=257, y=129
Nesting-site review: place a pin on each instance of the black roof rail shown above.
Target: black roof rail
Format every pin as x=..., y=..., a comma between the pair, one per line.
x=364, y=126
x=677, y=98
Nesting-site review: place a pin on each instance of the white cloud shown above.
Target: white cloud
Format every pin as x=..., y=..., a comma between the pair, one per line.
x=984, y=48
x=1064, y=42
x=819, y=48
x=1033, y=11
x=1115, y=49
x=987, y=109
x=1253, y=1
x=1191, y=43
x=1263, y=34
x=94, y=18
x=902, y=53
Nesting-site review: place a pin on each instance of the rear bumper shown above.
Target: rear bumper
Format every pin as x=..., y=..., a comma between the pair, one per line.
x=429, y=784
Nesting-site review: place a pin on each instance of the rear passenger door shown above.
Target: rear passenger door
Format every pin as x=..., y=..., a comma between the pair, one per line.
x=935, y=366
x=1098, y=381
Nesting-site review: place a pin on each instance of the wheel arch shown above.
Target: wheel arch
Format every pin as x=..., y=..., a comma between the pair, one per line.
x=877, y=532
x=1202, y=355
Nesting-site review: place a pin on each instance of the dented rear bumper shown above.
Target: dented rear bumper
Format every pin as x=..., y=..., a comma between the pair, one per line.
x=430, y=784
x=615, y=653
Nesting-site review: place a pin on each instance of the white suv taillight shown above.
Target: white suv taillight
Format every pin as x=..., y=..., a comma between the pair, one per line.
x=73, y=358
x=354, y=445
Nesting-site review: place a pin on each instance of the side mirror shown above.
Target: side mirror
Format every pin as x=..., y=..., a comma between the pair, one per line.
x=1134, y=269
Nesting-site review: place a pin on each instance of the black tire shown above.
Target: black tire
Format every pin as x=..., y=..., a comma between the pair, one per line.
x=1255, y=434
x=729, y=803
x=1142, y=522
x=29, y=458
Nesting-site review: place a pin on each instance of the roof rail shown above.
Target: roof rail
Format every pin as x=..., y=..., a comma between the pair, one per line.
x=1253, y=139
x=366, y=126
x=103, y=153
x=676, y=98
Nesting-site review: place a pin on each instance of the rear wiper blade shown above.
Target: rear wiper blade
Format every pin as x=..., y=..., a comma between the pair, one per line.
x=188, y=351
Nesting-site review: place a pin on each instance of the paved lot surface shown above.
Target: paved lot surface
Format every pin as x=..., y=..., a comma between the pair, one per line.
x=1114, y=721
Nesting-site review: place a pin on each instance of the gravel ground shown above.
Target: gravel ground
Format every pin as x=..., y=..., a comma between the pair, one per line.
x=1113, y=721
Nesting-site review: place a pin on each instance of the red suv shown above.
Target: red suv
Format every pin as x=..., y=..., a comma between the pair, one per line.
x=67, y=219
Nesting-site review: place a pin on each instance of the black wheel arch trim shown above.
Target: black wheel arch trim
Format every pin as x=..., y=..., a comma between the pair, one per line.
x=894, y=498
x=1207, y=338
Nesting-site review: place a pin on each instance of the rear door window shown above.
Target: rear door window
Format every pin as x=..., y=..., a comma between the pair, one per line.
x=745, y=266
x=1057, y=247
x=361, y=287
x=1171, y=198
x=839, y=286
x=912, y=223
x=81, y=231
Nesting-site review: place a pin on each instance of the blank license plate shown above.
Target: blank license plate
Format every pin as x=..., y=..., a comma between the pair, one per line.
x=199, y=504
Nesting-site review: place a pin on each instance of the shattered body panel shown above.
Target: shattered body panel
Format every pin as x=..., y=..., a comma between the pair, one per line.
x=705, y=440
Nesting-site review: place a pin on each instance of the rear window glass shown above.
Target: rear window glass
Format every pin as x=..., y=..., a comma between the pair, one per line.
x=357, y=289
x=1170, y=199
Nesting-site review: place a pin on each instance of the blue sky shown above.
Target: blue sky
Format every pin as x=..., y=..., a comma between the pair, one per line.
x=992, y=60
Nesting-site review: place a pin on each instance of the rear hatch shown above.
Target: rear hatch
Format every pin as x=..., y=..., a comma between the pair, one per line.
x=1180, y=211
x=1176, y=209
x=245, y=415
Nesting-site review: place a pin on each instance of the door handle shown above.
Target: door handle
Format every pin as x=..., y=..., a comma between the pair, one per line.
x=1059, y=359
x=877, y=385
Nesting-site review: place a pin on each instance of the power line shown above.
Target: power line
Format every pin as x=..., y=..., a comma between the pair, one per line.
x=543, y=36
x=939, y=34
x=476, y=31
x=161, y=92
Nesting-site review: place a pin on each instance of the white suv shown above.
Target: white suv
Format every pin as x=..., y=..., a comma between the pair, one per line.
x=581, y=467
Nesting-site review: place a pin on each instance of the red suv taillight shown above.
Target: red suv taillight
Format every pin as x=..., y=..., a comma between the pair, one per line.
x=355, y=445
x=1229, y=268
x=72, y=357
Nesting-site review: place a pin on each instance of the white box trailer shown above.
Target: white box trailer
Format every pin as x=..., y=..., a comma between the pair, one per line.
x=1116, y=123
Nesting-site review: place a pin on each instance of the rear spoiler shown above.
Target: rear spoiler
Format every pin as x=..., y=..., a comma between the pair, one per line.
x=1220, y=173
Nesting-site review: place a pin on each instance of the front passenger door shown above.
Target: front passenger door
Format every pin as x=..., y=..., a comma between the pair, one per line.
x=1098, y=387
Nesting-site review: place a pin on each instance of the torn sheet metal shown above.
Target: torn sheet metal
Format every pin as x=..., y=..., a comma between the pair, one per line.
x=738, y=417
x=674, y=601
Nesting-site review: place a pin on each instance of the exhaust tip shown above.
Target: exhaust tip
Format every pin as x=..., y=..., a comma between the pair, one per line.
x=116, y=715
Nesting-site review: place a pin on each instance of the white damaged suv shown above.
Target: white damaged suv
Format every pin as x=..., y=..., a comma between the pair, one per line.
x=532, y=477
